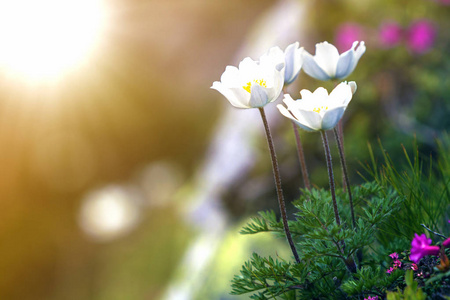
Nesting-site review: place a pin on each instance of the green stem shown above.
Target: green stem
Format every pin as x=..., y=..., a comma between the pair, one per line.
x=276, y=174
x=345, y=174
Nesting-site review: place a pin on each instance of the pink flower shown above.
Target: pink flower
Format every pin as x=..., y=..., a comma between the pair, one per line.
x=390, y=34
x=421, y=36
x=372, y=298
x=446, y=243
x=394, y=255
x=390, y=270
x=346, y=34
x=397, y=263
x=445, y=2
x=420, y=247
x=414, y=267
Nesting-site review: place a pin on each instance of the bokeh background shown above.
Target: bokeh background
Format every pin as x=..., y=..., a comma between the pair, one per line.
x=123, y=176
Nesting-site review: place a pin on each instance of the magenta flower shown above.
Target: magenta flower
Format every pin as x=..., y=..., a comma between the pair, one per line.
x=390, y=34
x=414, y=267
x=346, y=34
x=372, y=298
x=394, y=255
x=421, y=36
x=390, y=270
x=397, y=263
x=420, y=247
x=446, y=243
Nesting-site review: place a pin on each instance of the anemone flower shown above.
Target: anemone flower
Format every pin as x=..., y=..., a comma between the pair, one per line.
x=328, y=64
x=254, y=83
x=318, y=111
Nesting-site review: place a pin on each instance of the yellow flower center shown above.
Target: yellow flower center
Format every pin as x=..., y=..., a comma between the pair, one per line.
x=318, y=109
x=260, y=82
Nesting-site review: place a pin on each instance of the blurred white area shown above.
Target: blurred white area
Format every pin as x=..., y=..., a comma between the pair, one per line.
x=159, y=182
x=230, y=156
x=113, y=211
x=110, y=212
x=280, y=26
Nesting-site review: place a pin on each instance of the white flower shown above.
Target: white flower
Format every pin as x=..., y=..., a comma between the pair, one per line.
x=318, y=111
x=254, y=83
x=328, y=64
x=293, y=60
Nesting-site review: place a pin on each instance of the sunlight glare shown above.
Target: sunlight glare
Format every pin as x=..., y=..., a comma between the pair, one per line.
x=46, y=38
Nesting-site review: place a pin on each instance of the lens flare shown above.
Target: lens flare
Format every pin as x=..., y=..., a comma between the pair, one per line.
x=45, y=39
x=109, y=213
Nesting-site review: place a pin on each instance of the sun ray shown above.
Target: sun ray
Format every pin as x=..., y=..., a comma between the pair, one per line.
x=42, y=40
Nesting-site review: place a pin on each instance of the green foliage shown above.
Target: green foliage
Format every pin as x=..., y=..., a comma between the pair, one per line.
x=423, y=184
x=411, y=292
x=365, y=281
x=267, y=221
x=268, y=277
x=346, y=262
x=327, y=251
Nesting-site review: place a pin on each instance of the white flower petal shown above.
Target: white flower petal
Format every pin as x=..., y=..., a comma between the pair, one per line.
x=332, y=117
x=320, y=94
x=304, y=126
x=327, y=57
x=360, y=50
x=229, y=94
x=309, y=119
x=287, y=113
x=353, y=86
x=345, y=64
x=247, y=69
x=258, y=97
x=349, y=59
x=230, y=77
x=312, y=68
x=273, y=56
x=288, y=99
x=293, y=60
x=278, y=82
x=341, y=95
x=306, y=95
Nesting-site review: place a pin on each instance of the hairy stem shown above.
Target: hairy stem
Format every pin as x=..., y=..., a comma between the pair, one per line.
x=301, y=157
x=276, y=174
x=330, y=175
x=349, y=262
x=340, y=133
x=345, y=173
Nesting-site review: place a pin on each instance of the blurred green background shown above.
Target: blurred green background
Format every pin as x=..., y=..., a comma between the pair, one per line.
x=112, y=183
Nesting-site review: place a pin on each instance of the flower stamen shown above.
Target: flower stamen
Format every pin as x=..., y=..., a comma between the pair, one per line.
x=318, y=109
x=260, y=82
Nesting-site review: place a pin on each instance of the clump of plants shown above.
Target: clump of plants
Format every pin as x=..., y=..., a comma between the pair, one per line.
x=354, y=242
